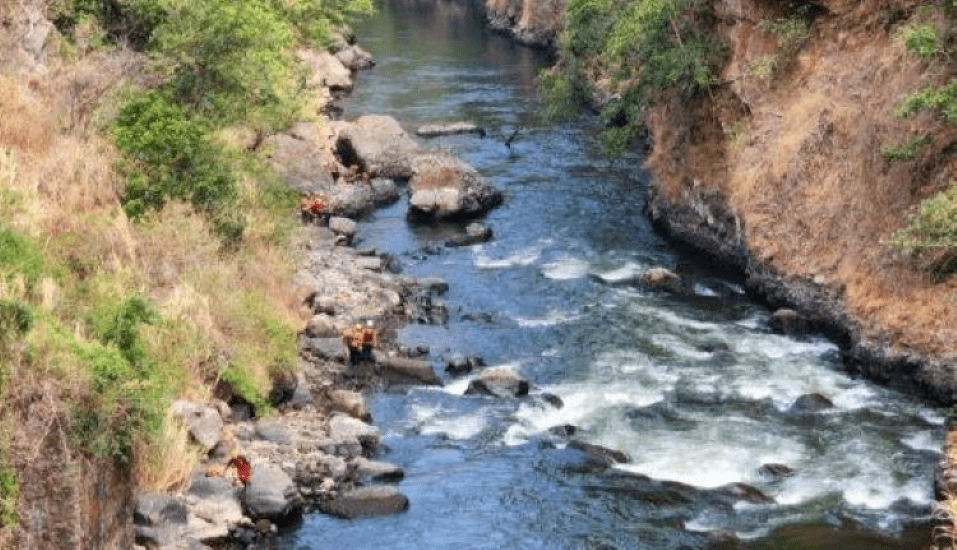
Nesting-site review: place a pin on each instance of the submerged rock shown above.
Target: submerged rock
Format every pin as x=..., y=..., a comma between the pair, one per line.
x=498, y=382
x=789, y=323
x=366, y=502
x=811, y=403
x=659, y=279
x=475, y=233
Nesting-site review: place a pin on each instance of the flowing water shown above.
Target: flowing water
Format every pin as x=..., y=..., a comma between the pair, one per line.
x=696, y=391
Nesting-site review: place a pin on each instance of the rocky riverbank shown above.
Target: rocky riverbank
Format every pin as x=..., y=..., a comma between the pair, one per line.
x=318, y=452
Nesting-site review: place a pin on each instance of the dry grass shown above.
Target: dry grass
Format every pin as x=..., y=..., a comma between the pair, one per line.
x=58, y=186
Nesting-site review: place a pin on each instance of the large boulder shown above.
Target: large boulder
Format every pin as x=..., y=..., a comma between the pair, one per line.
x=367, y=502
x=378, y=145
x=444, y=187
x=204, y=423
x=498, y=382
x=328, y=71
x=302, y=159
x=271, y=494
x=343, y=428
x=355, y=58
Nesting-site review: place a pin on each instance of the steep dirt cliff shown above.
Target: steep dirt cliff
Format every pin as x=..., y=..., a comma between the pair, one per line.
x=781, y=172
x=532, y=22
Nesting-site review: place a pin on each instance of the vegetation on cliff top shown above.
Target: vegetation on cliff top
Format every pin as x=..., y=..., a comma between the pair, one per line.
x=145, y=249
x=931, y=234
x=635, y=48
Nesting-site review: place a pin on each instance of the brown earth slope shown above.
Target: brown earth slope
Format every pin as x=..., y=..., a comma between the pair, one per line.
x=796, y=157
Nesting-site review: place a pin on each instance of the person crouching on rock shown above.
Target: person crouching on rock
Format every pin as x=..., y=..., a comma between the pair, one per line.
x=244, y=470
x=361, y=340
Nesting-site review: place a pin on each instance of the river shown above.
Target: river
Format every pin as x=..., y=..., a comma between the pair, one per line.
x=696, y=391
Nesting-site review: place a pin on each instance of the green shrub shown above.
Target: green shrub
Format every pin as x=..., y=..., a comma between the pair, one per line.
x=315, y=22
x=20, y=256
x=905, y=151
x=124, y=21
x=942, y=100
x=243, y=385
x=16, y=319
x=932, y=231
x=644, y=45
x=127, y=398
x=921, y=39
x=9, y=493
x=228, y=59
x=173, y=158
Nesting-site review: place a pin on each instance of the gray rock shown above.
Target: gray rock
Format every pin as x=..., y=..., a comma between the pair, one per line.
x=343, y=226
x=498, y=382
x=352, y=403
x=325, y=348
x=745, y=492
x=371, y=264
x=599, y=453
x=355, y=58
x=273, y=431
x=810, y=403
x=328, y=71
x=321, y=325
x=371, y=470
x=378, y=145
x=366, y=502
x=271, y=494
x=776, y=471
x=155, y=509
x=157, y=537
x=402, y=370
x=384, y=190
x=302, y=160
x=475, y=233
x=204, y=423
x=210, y=487
x=789, y=323
x=444, y=187
x=659, y=279
x=346, y=428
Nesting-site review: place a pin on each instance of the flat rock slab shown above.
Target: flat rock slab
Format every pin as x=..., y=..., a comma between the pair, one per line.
x=274, y=431
x=367, y=502
x=377, y=471
x=402, y=370
x=378, y=145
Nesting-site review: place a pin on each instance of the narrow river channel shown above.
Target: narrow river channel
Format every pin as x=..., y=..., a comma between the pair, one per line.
x=696, y=391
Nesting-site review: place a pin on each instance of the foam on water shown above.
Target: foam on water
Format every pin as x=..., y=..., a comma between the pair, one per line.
x=565, y=268
x=552, y=318
x=625, y=273
x=523, y=257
